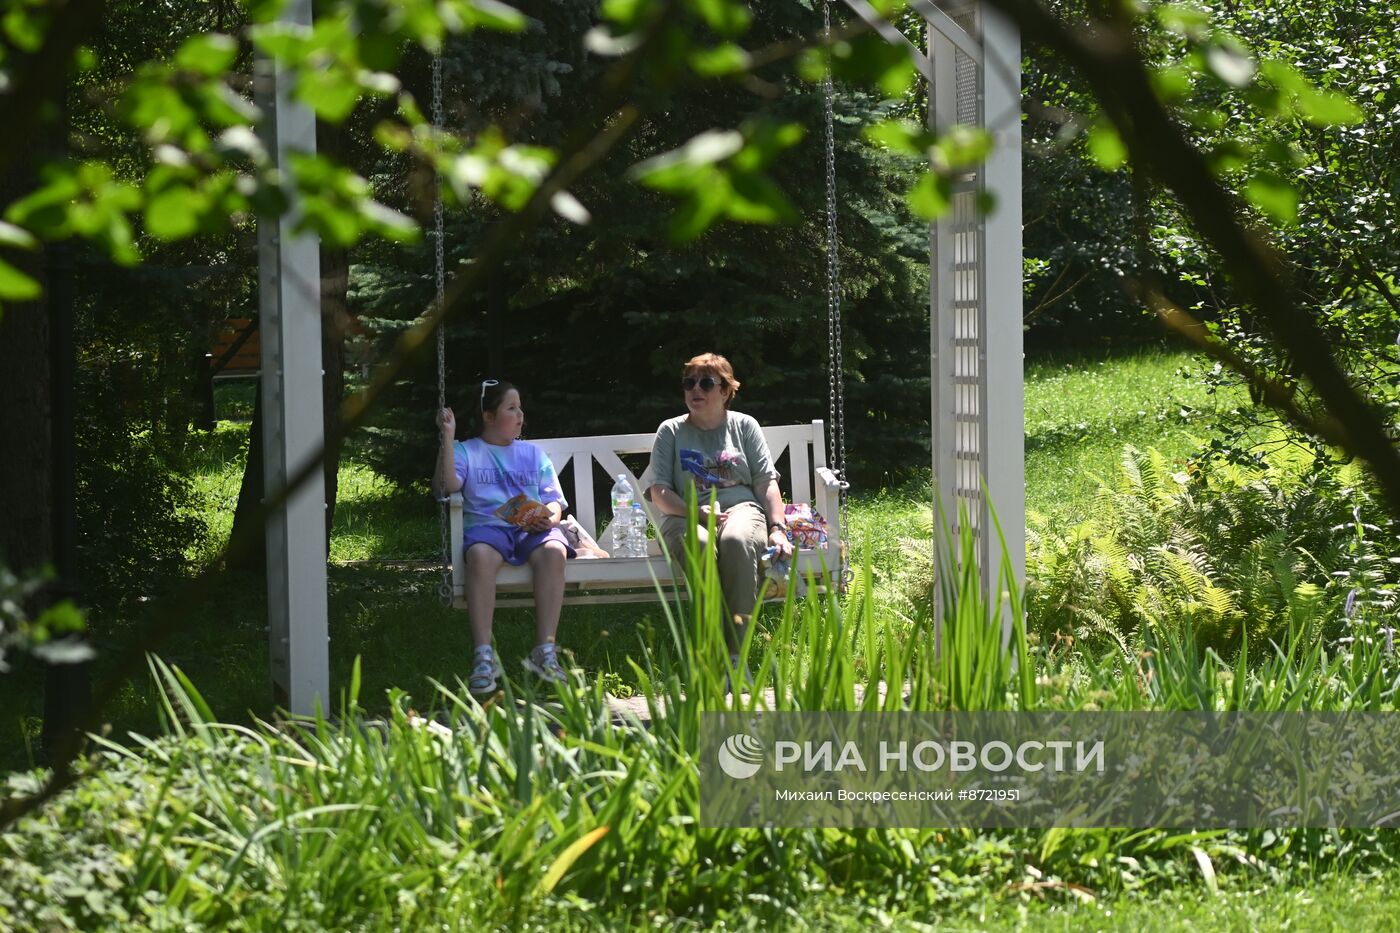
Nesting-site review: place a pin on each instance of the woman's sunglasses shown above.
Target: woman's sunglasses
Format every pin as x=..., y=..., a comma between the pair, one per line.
x=706, y=383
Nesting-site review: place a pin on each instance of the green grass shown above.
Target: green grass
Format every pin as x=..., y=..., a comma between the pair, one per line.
x=1081, y=412
x=354, y=828
x=374, y=519
x=538, y=812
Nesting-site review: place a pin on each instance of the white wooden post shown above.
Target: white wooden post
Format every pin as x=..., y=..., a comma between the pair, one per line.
x=975, y=352
x=289, y=297
x=1005, y=461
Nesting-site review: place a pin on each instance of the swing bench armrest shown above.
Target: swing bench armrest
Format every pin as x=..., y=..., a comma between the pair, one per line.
x=454, y=520
x=827, y=492
x=827, y=501
x=829, y=479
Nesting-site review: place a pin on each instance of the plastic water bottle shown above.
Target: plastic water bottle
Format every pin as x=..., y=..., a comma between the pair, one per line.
x=637, y=532
x=622, y=516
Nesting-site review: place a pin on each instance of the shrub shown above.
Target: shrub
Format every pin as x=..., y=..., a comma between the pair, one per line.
x=1217, y=548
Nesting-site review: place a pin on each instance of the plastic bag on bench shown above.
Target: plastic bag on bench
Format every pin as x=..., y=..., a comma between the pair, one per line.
x=583, y=542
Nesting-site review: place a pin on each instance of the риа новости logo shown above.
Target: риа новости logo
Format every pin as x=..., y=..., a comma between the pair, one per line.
x=741, y=756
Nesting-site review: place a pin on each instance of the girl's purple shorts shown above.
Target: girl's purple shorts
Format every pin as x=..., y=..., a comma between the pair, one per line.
x=514, y=544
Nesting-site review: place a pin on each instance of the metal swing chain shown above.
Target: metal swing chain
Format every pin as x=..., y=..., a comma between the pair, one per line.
x=440, y=268
x=835, y=353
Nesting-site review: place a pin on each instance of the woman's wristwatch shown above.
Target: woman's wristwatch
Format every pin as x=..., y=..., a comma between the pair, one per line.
x=778, y=525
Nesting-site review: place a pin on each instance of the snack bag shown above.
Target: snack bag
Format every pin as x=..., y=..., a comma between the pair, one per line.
x=521, y=510
x=805, y=528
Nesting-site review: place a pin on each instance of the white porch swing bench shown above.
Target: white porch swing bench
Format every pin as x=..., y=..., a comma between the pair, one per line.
x=635, y=579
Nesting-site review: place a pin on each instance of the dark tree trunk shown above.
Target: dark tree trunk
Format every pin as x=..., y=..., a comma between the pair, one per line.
x=68, y=687
x=247, y=547
x=335, y=322
x=37, y=486
x=26, y=469
x=495, y=331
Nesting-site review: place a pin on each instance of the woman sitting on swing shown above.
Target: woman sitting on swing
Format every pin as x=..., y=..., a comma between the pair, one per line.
x=500, y=478
x=721, y=453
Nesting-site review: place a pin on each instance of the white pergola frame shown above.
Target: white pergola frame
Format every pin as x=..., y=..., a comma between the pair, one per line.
x=972, y=67
x=289, y=298
x=973, y=72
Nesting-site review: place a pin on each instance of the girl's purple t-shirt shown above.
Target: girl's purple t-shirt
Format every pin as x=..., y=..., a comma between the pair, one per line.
x=491, y=476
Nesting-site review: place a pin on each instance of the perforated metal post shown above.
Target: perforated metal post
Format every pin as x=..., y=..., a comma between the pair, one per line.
x=289, y=297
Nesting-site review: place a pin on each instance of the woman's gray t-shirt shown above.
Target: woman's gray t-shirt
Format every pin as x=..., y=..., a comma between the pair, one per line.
x=731, y=459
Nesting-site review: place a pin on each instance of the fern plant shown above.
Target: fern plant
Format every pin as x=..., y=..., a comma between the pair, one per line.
x=1217, y=550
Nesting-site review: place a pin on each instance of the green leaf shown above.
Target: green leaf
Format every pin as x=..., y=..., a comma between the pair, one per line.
x=931, y=196
x=1318, y=107
x=16, y=285
x=625, y=13
x=264, y=11
x=1230, y=64
x=756, y=199
x=330, y=93
x=286, y=42
x=389, y=223
x=490, y=14
x=719, y=61
x=812, y=65
x=1189, y=21
x=1274, y=195
x=673, y=170
x=1173, y=83
x=45, y=210
x=870, y=60
x=726, y=17
x=961, y=146
x=697, y=213
x=1106, y=146
x=210, y=54
x=25, y=26
x=174, y=213
x=570, y=855
x=764, y=140
x=1328, y=108
x=902, y=136
x=17, y=237
x=1229, y=155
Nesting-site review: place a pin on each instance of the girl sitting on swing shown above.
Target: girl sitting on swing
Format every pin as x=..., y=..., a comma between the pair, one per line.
x=495, y=470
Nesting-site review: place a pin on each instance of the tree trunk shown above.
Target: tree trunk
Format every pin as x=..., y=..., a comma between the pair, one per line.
x=26, y=470
x=335, y=318
x=36, y=473
x=335, y=322
x=247, y=547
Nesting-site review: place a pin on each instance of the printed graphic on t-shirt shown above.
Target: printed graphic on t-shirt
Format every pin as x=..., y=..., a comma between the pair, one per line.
x=491, y=477
x=717, y=473
x=495, y=476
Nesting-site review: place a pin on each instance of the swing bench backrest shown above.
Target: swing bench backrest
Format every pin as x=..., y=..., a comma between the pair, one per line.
x=618, y=580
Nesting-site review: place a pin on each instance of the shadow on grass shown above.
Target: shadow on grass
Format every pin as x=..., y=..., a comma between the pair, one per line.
x=390, y=618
